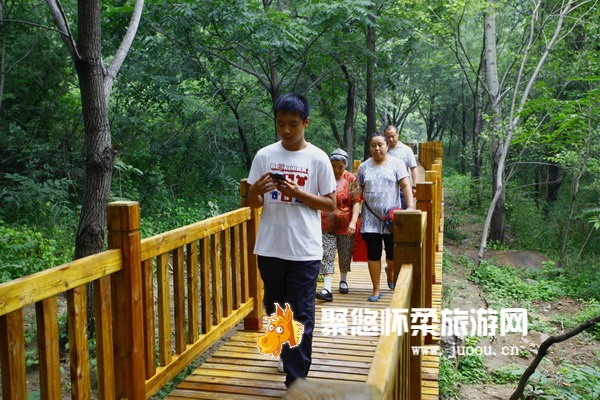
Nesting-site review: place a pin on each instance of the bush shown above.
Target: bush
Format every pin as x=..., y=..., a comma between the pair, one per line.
x=528, y=223
x=25, y=250
x=505, y=283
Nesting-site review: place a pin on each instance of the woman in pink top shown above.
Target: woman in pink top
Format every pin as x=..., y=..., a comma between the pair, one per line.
x=339, y=226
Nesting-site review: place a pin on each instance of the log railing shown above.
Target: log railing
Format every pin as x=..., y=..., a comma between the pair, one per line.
x=160, y=302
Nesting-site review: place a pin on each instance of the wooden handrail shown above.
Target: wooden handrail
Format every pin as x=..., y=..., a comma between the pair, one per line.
x=21, y=292
x=389, y=370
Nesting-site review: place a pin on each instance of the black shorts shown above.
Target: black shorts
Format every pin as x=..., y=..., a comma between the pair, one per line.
x=375, y=246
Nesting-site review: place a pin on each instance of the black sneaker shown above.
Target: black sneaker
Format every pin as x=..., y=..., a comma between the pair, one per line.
x=343, y=287
x=324, y=295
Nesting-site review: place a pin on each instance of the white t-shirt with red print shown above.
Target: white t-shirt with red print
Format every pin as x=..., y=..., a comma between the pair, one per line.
x=288, y=228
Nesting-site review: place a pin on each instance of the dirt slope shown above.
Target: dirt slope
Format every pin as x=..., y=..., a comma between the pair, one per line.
x=465, y=295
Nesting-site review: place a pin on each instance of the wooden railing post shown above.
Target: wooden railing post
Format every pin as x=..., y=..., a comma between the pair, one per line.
x=355, y=166
x=123, y=227
x=437, y=167
x=46, y=312
x=12, y=355
x=409, y=248
x=425, y=196
x=432, y=176
x=255, y=285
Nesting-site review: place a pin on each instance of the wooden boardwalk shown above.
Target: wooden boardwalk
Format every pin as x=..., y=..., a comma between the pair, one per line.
x=239, y=371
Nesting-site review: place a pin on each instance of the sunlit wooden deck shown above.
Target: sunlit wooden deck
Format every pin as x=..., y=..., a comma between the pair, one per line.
x=239, y=371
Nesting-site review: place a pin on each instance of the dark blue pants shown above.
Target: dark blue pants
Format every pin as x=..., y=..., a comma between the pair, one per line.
x=295, y=283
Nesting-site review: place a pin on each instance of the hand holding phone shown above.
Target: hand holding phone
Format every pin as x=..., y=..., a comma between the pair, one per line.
x=277, y=177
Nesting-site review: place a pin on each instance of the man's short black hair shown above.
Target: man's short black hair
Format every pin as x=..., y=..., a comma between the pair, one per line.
x=294, y=103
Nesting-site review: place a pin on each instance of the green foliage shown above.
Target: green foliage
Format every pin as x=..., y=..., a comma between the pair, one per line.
x=169, y=216
x=25, y=250
x=452, y=223
x=506, y=284
x=529, y=225
x=498, y=246
x=471, y=368
x=448, y=379
x=591, y=309
x=456, y=192
x=576, y=382
x=34, y=395
x=34, y=200
x=582, y=281
x=506, y=374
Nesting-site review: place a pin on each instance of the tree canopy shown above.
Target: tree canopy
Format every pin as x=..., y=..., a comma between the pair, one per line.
x=191, y=103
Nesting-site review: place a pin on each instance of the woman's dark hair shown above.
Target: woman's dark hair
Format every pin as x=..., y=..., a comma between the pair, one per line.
x=383, y=135
x=294, y=103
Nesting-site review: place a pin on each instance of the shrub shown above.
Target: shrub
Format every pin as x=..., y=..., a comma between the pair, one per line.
x=26, y=250
x=505, y=283
x=528, y=223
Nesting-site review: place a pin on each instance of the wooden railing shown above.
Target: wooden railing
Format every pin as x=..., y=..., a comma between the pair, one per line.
x=160, y=302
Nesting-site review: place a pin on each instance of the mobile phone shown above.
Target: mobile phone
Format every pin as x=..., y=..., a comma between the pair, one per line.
x=277, y=177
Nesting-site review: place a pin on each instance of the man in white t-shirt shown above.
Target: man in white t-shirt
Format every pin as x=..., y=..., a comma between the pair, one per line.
x=404, y=153
x=292, y=180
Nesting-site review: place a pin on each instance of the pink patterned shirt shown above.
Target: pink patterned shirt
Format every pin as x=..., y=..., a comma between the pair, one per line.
x=347, y=192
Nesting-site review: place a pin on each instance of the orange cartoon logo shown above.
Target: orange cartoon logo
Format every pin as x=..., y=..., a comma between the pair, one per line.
x=281, y=329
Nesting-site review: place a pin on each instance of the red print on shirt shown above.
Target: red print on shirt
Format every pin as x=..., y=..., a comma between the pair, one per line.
x=292, y=173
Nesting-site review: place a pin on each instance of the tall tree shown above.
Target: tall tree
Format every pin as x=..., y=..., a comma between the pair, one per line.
x=521, y=90
x=95, y=83
x=370, y=92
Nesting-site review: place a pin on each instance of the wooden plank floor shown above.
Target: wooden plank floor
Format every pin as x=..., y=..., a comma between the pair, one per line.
x=239, y=371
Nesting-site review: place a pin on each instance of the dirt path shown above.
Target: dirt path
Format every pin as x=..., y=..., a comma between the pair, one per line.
x=461, y=293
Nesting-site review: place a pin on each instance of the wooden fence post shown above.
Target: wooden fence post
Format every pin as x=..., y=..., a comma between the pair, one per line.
x=255, y=284
x=409, y=247
x=355, y=166
x=128, y=338
x=432, y=176
x=425, y=195
x=12, y=355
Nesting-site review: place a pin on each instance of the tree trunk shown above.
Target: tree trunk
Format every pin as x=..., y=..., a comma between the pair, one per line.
x=241, y=132
x=465, y=133
x=95, y=83
x=498, y=216
x=577, y=175
x=370, y=112
x=478, y=111
x=501, y=152
x=349, y=119
x=554, y=181
x=543, y=350
x=98, y=152
x=2, y=52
